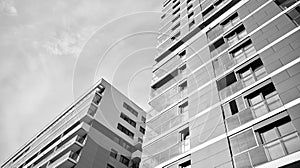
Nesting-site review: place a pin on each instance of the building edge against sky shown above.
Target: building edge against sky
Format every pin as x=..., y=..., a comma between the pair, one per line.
x=102, y=129
x=226, y=86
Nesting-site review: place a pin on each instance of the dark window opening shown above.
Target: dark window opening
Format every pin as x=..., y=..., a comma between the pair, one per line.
x=182, y=54
x=176, y=11
x=191, y=23
x=177, y=17
x=175, y=37
x=130, y=109
x=176, y=5
x=285, y=3
x=113, y=153
x=124, y=160
x=109, y=166
x=189, y=7
x=142, y=130
x=127, y=119
x=233, y=107
x=208, y=10
x=185, y=164
x=125, y=131
x=216, y=44
x=167, y=3
x=163, y=16
x=226, y=81
x=176, y=26
x=190, y=14
x=294, y=14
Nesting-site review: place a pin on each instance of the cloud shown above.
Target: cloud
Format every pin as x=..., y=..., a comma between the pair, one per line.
x=7, y=8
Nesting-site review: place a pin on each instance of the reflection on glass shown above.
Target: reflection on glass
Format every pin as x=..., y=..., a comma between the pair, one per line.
x=274, y=150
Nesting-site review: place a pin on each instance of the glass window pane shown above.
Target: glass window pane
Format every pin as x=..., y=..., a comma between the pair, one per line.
x=232, y=122
x=242, y=34
x=274, y=150
x=242, y=160
x=235, y=20
x=292, y=143
x=286, y=129
x=249, y=80
x=226, y=109
x=240, y=103
x=249, y=50
x=260, y=109
x=246, y=73
x=260, y=73
x=274, y=102
x=255, y=100
x=269, y=136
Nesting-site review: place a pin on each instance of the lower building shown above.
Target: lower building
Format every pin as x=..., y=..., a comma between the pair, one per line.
x=103, y=129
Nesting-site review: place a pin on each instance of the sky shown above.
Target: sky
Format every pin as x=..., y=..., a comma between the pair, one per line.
x=52, y=51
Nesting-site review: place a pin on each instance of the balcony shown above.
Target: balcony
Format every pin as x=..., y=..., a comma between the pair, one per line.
x=68, y=160
x=73, y=144
x=170, y=153
x=152, y=132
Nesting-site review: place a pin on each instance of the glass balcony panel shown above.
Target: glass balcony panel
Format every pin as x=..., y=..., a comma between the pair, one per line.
x=260, y=73
x=292, y=143
x=233, y=122
x=232, y=40
x=249, y=80
x=274, y=102
x=242, y=160
x=255, y=100
x=245, y=116
x=249, y=50
x=269, y=136
x=286, y=129
x=274, y=150
x=242, y=34
x=227, y=26
x=260, y=109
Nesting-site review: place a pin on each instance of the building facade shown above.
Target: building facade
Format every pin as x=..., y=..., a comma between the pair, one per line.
x=103, y=129
x=225, y=90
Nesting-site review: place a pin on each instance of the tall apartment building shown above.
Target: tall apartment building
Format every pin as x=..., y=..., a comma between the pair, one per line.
x=226, y=86
x=103, y=129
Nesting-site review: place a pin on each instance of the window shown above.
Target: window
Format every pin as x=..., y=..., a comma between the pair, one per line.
x=92, y=110
x=163, y=16
x=125, y=131
x=113, y=153
x=124, y=160
x=183, y=107
x=294, y=14
x=285, y=3
x=176, y=11
x=279, y=139
x=216, y=44
x=127, y=119
x=186, y=164
x=140, y=140
x=234, y=36
x=142, y=130
x=143, y=119
x=167, y=3
x=264, y=100
x=182, y=54
x=190, y=7
x=130, y=109
x=253, y=72
x=190, y=14
x=177, y=17
x=242, y=141
x=176, y=26
x=230, y=22
x=192, y=23
x=240, y=145
x=226, y=81
x=175, y=37
x=182, y=88
x=97, y=99
x=109, y=166
x=243, y=51
x=177, y=4
x=100, y=89
x=185, y=139
x=182, y=69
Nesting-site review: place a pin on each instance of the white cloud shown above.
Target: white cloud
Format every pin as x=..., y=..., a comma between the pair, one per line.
x=7, y=8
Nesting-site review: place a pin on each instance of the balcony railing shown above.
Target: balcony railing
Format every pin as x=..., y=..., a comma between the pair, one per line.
x=72, y=117
x=165, y=126
x=68, y=160
x=170, y=153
